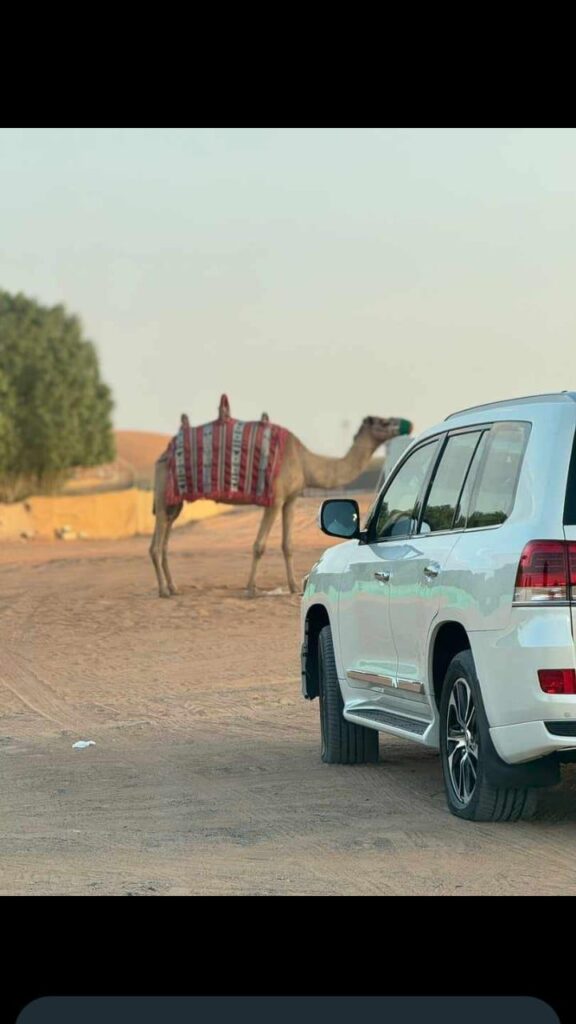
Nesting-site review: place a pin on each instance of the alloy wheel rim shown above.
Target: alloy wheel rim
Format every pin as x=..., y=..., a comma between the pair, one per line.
x=462, y=741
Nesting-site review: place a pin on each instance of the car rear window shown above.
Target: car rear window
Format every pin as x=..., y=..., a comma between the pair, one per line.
x=493, y=495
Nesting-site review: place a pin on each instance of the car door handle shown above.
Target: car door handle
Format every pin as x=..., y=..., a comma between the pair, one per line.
x=382, y=576
x=431, y=570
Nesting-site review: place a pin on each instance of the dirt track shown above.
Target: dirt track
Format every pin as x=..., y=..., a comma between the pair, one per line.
x=206, y=777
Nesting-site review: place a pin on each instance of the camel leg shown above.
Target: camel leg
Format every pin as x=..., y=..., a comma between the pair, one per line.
x=171, y=519
x=161, y=526
x=288, y=510
x=260, y=545
x=156, y=550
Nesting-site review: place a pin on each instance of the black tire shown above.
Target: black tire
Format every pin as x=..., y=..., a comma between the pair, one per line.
x=342, y=742
x=464, y=752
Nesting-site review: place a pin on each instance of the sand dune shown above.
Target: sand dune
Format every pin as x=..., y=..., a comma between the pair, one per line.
x=140, y=449
x=136, y=453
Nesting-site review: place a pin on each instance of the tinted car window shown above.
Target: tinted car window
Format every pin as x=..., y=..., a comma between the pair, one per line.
x=449, y=477
x=395, y=516
x=463, y=504
x=493, y=496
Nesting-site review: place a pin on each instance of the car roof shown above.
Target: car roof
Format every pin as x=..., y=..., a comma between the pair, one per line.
x=554, y=397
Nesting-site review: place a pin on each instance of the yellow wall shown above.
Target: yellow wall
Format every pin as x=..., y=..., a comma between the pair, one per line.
x=113, y=514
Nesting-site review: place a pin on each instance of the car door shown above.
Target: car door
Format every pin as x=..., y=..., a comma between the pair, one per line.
x=417, y=586
x=367, y=649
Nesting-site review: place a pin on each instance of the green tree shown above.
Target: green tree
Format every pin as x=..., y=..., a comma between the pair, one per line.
x=55, y=411
x=7, y=407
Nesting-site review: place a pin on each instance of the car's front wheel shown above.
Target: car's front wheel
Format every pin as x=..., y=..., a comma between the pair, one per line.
x=465, y=745
x=343, y=742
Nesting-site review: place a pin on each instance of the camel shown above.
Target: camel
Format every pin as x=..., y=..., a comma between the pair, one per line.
x=300, y=468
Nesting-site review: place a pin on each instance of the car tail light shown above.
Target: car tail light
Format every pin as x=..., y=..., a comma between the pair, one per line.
x=546, y=572
x=557, y=680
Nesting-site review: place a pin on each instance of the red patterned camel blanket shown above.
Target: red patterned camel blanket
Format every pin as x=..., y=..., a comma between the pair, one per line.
x=226, y=460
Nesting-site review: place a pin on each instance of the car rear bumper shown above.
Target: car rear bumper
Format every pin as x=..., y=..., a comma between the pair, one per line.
x=507, y=663
x=529, y=740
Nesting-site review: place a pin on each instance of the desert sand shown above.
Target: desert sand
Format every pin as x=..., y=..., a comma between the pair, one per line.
x=205, y=776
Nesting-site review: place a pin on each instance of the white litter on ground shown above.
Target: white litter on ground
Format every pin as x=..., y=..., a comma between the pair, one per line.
x=80, y=744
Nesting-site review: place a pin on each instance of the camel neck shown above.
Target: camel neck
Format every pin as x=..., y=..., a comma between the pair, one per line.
x=329, y=473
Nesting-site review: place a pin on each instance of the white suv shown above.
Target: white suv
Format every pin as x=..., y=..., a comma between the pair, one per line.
x=448, y=618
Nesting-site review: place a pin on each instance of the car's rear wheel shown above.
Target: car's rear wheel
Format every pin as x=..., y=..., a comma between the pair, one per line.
x=343, y=742
x=465, y=744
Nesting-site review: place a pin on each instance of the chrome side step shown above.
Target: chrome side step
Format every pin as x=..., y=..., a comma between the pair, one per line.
x=403, y=722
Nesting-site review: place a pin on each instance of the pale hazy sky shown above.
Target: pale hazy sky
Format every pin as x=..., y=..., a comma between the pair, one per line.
x=320, y=274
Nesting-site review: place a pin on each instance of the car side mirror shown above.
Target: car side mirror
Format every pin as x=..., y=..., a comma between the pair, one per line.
x=340, y=517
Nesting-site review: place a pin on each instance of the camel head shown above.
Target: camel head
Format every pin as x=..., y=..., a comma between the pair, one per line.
x=381, y=430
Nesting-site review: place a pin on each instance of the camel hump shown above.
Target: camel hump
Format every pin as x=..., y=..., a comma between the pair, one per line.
x=185, y=421
x=224, y=410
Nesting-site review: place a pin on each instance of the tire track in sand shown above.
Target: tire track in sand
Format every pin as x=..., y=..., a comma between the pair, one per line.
x=36, y=693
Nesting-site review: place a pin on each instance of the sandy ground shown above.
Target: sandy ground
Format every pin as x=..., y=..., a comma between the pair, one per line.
x=206, y=776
